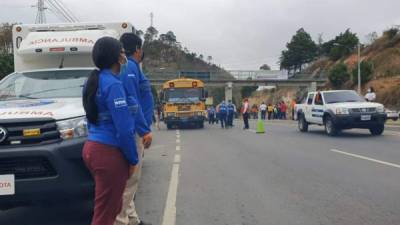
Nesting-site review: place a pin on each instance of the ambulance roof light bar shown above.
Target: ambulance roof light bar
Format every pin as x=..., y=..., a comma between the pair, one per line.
x=66, y=28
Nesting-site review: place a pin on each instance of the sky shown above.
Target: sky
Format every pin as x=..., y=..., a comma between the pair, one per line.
x=238, y=34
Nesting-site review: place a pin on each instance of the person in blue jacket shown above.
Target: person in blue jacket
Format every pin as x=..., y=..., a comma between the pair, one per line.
x=223, y=110
x=231, y=112
x=110, y=150
x=138, y=87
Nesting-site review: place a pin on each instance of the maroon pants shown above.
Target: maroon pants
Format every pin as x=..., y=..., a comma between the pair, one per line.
x=110, y=171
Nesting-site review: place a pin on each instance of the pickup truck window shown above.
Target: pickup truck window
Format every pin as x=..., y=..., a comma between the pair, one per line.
x=318, y=99
x=310, y=98
x=342, y=96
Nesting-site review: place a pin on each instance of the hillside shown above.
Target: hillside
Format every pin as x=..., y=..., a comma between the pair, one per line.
x=384, y=55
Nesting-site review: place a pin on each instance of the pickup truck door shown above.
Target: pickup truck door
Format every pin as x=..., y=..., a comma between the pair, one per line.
x=317, y=110
x=308, y=107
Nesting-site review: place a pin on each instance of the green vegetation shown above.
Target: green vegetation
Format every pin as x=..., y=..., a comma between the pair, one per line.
x=342, y=45
x=338, y=75
x=366, y=69
x=300, y=50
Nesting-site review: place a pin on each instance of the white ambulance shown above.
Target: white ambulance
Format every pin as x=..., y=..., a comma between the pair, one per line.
x=42, y=124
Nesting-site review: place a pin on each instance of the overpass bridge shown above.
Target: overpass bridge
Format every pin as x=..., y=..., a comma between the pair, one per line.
x=241, y=79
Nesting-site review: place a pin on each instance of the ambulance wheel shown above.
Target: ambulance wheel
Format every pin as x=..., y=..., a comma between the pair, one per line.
x=169, y=126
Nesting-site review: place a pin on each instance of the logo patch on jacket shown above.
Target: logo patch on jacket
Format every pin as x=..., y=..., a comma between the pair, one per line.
x=120, y=102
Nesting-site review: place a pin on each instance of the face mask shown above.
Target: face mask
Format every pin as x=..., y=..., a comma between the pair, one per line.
x=124, y=67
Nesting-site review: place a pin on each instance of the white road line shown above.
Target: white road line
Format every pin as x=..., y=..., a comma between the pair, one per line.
x=177, y=158
x=178, y=148
x=170, y=206
x=366, y=158
x=178, y=141
x=178, y=136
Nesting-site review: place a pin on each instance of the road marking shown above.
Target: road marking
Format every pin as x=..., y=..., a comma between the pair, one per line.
x=178, y=141
x=178, y=136
x=177, y=132
x=177, y=158
x=178, y=148
x=366, y=158
x=251, y=130
x=170, y=206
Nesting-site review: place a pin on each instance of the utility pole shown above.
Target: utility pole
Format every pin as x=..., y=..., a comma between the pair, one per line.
x=359, y=70
x=40, y=16
x=151, y=19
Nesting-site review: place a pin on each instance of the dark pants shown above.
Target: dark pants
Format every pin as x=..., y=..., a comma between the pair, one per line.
x=211, y=119
x=230, y=119
x=269, y=115
x=222, y=118
x=263, y=114
x=283, y=115
x=110, y=171
x=246, y=120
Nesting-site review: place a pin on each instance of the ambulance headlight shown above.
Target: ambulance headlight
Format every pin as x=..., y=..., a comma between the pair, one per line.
x=199, y=113
x=72, y=128
x=380, y=109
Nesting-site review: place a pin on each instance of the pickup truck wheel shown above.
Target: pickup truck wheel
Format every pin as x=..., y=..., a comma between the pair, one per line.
x=302, y=124
x=377, y=130
x=330, y=127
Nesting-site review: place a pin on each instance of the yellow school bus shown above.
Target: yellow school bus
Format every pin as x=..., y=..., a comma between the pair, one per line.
x=184, y=102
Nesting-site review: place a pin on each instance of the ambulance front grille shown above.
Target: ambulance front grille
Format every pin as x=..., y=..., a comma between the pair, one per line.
x=14, y=128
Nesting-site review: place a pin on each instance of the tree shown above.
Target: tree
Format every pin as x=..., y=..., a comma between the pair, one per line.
x=6, y=45
x=151, y=34
x=201, y=56
x=209, y=59
x=371, y=37
x=169, y=38
x=265, y=67
x=338, y=75
x=366, y=72
x=6, y=64
x=300, y=50
x=342, y=45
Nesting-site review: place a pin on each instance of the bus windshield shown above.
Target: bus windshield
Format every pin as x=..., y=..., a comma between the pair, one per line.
x=183, y=95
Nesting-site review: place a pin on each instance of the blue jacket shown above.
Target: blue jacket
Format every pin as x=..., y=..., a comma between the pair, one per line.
x=115, y=126
x=222, y=108
x=144, y=94
x=231, y=108
x=131, y=82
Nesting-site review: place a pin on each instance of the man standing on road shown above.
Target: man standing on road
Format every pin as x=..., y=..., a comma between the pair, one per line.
x=231, y=112
x=263, y=109
x=245, y=113
x=283, y=108
x=222, y=111
x=136, y=84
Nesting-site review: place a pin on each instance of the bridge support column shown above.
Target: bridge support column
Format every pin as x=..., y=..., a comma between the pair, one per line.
x=228, y=91
x=312, y=86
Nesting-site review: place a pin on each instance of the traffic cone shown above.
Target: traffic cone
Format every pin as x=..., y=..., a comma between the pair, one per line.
x=260, y=127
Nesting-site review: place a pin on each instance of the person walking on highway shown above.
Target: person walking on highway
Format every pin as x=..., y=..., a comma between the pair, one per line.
x=370, y=96
x=231, y=113
x=110, y=151
x=222, y=111
x=283, y=109
x=137, y=86
x=270, y=110
x=211, y=115
x=263, y=110
x=246, y=113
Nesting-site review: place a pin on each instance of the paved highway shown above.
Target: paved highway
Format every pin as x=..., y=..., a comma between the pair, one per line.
x=236, y=177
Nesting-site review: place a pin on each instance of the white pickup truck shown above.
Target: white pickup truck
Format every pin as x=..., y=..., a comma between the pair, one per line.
x=338, y=110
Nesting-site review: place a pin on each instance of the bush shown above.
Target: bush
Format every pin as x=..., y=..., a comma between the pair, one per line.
x=338, y=75
x=390, y=33
x=6, y=64
x=366, y=69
